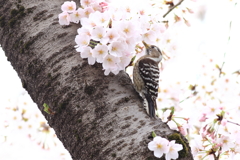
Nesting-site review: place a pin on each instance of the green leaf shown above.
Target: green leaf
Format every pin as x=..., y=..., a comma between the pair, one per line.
x=172, y=110
x=153, y=134
x=46, y=108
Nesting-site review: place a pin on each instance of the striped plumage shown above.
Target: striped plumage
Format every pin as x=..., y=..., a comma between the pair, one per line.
x=146, y=77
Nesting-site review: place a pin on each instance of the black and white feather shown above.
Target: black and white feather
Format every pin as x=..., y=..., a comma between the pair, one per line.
x=149, y=72
x=146, y=77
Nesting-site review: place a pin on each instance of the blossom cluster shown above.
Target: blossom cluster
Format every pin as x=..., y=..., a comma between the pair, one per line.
x=213, y=101
x=162, y=146
x=22, y=123
x=112, y=34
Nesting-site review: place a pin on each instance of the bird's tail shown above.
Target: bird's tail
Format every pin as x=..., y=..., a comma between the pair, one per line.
x=150, y=106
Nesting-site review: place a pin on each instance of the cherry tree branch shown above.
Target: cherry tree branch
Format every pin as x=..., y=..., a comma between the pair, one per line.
x=233, y=123
x=172, y=8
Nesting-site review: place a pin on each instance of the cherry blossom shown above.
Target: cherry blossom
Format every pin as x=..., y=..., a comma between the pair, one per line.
x=98, y=33
x=226, y=143
x=115, y=24
x=64, y=18
x=110, y=62
x=86, y=3
x=84, y=31
x=110, y=36
x=88, y=23
x=124, y=61
x=101, y=19
x=100, y=52
x=87, y=11
x=77, y=15
x=117, y=48
x=159, y=146
x=87, y=52
x=173, y=150
x=82, y=40
x=126, y=28
x=68, y=6
x=104, y=6
x=149, y=37
x=118, y=27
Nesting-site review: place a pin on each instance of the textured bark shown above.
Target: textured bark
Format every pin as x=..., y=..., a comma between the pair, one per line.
x=96, y=116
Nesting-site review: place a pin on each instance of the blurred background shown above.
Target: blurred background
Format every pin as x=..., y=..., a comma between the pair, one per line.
x=24, y=132
x=210, y=40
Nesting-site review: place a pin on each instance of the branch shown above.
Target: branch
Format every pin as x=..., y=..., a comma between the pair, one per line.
x=172, y=8
x=103, y=119
x=229, y=38
x=233, y=123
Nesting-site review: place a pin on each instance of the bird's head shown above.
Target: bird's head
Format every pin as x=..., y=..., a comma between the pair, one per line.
x=153, y=51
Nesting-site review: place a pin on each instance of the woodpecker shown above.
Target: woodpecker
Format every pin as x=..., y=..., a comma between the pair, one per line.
x=146, y=77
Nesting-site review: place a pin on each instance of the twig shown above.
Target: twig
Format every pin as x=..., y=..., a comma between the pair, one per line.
x=234, y=123
x=172, y=8
x=229, y=38
x=237, y=72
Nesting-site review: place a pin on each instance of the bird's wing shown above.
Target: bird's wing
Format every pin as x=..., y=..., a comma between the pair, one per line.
x=149, y=72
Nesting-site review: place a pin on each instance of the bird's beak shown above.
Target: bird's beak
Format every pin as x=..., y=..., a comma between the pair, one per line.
x=145, y=44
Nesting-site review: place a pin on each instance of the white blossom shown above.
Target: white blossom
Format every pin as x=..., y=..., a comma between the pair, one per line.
x=100, y=52
x=173, y=150
x=159, y=146
x=88, y=53
x=68, y=6
x=64, y=18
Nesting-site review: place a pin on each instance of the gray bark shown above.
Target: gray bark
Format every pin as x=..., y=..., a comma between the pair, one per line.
x=96, y=116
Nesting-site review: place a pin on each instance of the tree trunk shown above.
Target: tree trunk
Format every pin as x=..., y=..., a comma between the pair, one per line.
x=95, y=116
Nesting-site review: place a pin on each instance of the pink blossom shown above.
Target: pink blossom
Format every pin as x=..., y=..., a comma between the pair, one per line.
x=77, y=15
x=150, y=37
x=113, y=70
x=99, y=52
x=87, y=11
x=98, y=33
x=212, y=108
x=131, y=42
x=143, y=23
x=101, y=19
x=165, y=115
x=110, y=36
x=86, y=3
x=64, y=18
x=96, y=6
x=203, y=118
x=88, y=53
x=116, y=15
x=110, y=63
x=182, y=130
x=124, y=61
x=158, y=27
x=126, y=28
x=173, y=150
x=68, y=6
x=88, y=23
x=225, y=142
x=196, y=145
x=82, y=40
x=224, y=122
x=117, y=48
x=84, y=31
x=104, y=6
x=159, y=146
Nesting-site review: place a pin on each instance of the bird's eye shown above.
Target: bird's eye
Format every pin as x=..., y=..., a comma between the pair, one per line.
x=152, y=47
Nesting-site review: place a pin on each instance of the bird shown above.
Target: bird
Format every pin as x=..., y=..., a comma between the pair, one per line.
x=146, y=77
